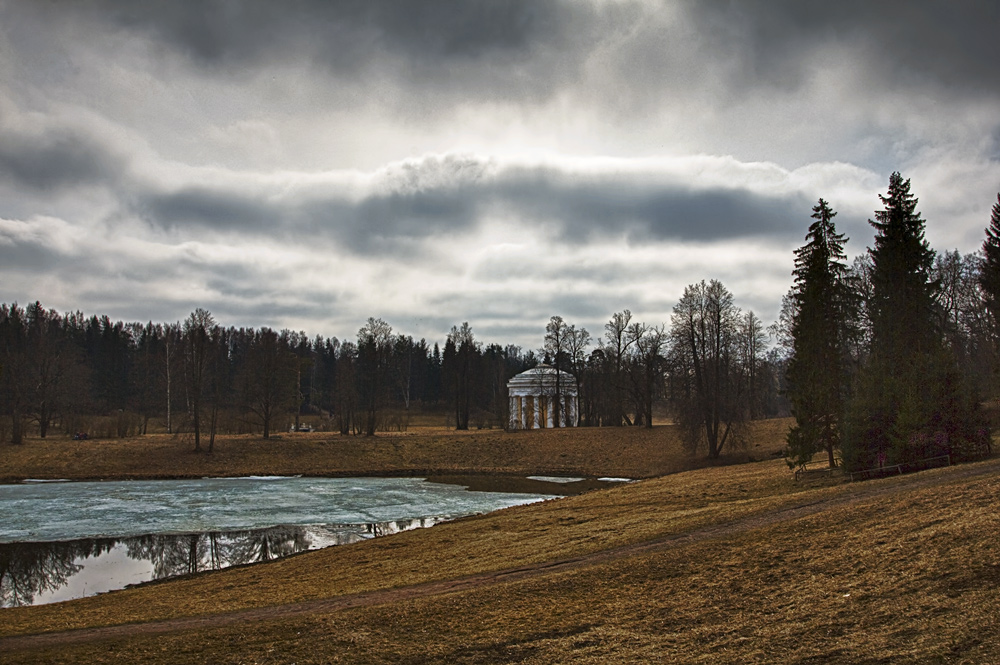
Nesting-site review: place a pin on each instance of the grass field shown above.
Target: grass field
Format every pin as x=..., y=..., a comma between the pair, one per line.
x=725, y=564
x=630, y=452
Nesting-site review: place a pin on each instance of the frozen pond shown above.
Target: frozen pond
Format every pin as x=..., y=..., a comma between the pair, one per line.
x=67, y=540
x=66, y=511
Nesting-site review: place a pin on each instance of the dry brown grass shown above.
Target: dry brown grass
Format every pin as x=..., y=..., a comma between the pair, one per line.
x=516, y=536
x=898, y=570
x=630, y=452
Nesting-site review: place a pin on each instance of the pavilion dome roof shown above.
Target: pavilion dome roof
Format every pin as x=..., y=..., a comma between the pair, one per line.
x=543, y=376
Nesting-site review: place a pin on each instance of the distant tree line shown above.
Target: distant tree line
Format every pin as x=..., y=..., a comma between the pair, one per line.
x=91, y=374
x=73, y=373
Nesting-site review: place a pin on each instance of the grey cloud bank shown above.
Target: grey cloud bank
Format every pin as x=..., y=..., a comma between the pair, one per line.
x=309, y=165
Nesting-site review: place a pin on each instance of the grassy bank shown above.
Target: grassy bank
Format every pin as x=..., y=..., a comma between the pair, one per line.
x=749, y=566
x=629, y=452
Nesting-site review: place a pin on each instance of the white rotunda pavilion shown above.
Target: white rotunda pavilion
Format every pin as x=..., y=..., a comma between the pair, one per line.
x=533, y=396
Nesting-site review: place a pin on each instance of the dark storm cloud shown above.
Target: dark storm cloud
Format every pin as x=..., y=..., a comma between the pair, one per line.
x=940, y=42
x=516, y=44
x=589, y=206
x=527, y=44
x=218, y=210
x=575, y=208
x=236, y=290
x=30, y=256
x=266, y=138
x=216, y=31
x=418, y=58
x=54, y=159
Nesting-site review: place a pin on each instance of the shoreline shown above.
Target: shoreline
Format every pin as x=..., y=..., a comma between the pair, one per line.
x=633, y=453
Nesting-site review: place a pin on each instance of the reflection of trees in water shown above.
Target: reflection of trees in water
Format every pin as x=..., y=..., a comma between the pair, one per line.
x=268, y=544
x=173, y=555
x=377, y=529
x=170, y=554
x=28, y=569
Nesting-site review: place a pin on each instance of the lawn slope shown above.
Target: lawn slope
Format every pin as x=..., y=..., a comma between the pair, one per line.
x=727, y=564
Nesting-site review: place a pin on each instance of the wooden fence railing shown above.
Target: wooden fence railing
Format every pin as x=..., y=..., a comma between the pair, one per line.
x=918, y=465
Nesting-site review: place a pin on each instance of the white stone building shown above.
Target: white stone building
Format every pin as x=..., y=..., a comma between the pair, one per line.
x=533, y=395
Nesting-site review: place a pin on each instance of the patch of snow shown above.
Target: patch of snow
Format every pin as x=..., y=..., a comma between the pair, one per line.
x=555, y=479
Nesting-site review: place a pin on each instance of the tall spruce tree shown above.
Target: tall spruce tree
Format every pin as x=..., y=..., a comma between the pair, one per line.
x=903, y=294
x=825, y=314
x=892, y=399
x=910, y=402
x=989, y=275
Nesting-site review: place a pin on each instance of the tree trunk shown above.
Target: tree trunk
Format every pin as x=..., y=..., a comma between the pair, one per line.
x=17, y=428
x=649, y=401
x=214, y=421
x=43, y=421
x=197, y=431
x=170, y=429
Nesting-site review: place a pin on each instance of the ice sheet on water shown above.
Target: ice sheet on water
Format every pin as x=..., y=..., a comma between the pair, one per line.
x=249, y=477
x=64, y=511
x=556, y=479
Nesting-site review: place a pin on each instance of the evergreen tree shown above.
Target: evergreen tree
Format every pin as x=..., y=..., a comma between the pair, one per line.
x=989, y=276
x=824, y=317
x=903, y=295
x=890, y=405
x=910, y=403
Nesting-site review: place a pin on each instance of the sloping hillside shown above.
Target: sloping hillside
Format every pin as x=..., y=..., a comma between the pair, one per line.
x=733, y=564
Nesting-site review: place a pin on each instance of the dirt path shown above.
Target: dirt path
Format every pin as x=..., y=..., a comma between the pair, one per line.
x=388, y=596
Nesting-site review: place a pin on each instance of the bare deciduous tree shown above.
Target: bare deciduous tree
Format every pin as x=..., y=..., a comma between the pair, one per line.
x=197, y=354
x=704, y=361
x=375, y=346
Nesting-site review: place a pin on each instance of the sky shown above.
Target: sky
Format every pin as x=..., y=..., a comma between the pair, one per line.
x=309, y=165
